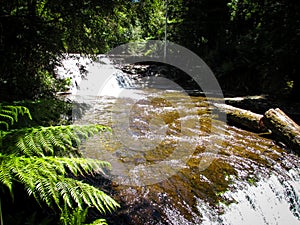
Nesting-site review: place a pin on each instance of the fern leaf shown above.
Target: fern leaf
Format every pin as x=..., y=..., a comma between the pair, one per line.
x=51, y=167
x=71, y=193
x=74, y=138
x=64, y=190
x=31, y=145
x=18, y=110
x=95, y=197
x=6, y=117
x=5, y=175
x=27, y=158
x=44, y=190
x=5, y=124
x=44, y=179
x=44, y=146
x=21, y=144
x=80, y=166
x=64, y=137
x=10, y=114
x=17, y=170
x=98, y=222
x=47, y=141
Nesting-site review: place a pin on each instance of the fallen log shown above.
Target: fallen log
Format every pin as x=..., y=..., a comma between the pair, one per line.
x=274, y=121
x=283, y=128
x=242, y=118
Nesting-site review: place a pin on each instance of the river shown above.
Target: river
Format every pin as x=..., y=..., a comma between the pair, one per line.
x=175, y=162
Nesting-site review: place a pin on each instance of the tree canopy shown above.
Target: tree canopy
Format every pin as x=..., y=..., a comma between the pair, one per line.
x=251, y=45
x=35, y=33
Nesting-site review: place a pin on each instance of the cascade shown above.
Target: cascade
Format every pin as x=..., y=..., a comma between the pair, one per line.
x=250, y=179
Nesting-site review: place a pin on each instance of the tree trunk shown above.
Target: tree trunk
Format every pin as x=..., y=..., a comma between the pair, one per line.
x=242, y=118
x=283, y=127
x=276, y=121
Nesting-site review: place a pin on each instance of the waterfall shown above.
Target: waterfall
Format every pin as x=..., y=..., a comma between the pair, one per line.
x=85, y=72
x=274, y=200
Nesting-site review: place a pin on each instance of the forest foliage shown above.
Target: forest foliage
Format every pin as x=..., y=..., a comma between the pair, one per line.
x=251, y=45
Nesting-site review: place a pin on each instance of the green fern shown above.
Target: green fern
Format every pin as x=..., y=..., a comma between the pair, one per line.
x=48, y=141
x=45, y=179
x=45, y=112
x=9, y=115
x=98, y=222
x=77, y=217
x=33, y=158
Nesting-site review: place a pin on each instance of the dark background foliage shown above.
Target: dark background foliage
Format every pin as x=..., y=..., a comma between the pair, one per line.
x=252, y=46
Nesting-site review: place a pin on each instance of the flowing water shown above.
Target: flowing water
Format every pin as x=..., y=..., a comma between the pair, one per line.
x=175, y=162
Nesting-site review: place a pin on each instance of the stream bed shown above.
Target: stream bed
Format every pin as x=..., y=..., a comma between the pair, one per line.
x=175, y=162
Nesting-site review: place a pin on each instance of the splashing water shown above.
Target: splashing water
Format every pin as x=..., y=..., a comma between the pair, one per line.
x=269, y=201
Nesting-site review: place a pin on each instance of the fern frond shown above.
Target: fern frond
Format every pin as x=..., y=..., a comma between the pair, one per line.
x=65, y=189
x=4, y=117
x=73, y=216
x=24, y=169
x=45, y=191
x=44, y=145
x=98, y=222
x=44, y=178
x=54, y=140
x=18, y=110
x=9, y=114
x=5, y=124
x=93, y=197
x=47, y=141
x=79, y=166
x=5, y=175
x=27, y=158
